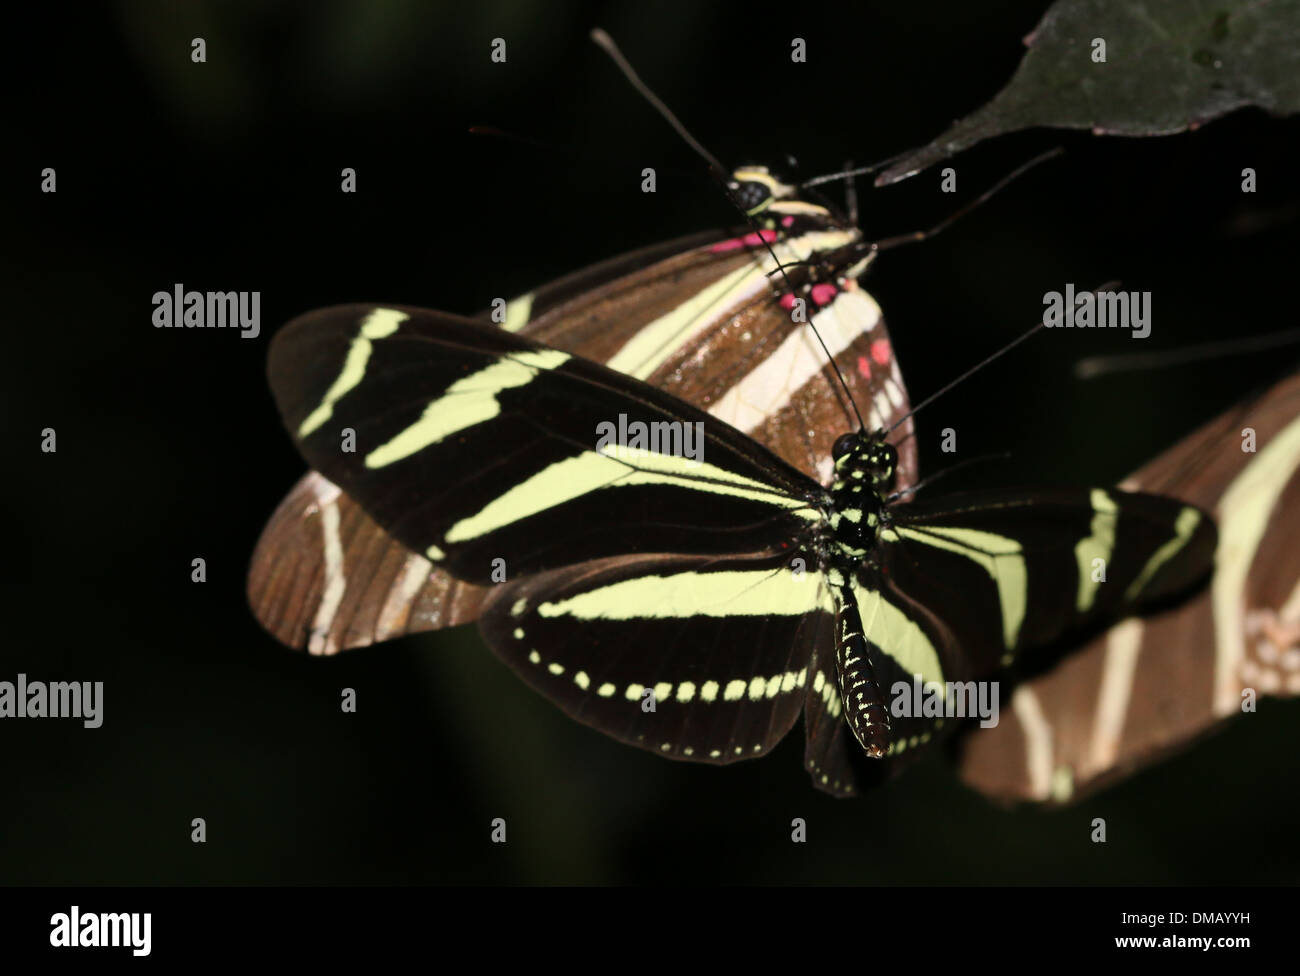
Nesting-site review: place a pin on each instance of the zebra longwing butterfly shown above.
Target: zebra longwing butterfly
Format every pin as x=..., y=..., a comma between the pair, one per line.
x=690, y=316
x=730, y=591
x=1147, y=686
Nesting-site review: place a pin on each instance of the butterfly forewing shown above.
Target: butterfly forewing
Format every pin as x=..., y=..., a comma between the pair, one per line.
x=481, y=449
x=325, y=576
x=1047, y=561
x=830, y=751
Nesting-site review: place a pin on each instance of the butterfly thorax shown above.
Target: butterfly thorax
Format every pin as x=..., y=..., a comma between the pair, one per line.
x=865, y=468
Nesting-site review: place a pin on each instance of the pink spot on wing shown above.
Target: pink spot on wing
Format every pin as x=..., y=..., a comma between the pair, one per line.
x=880, y=351
x=864, y=367
x=749, y=240
x=787, y=220
x=787, y=300
x=823, y=293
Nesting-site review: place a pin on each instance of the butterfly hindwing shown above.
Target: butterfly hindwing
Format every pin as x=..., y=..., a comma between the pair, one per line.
x=695, y=658
x=829, y=746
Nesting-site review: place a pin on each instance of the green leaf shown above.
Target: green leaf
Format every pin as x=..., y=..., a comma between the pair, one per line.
x=1169, y=65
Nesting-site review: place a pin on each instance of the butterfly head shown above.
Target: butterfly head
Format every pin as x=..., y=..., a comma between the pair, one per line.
x=864, y=459
x=756, y=191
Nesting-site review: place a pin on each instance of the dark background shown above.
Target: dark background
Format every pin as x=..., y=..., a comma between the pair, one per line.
x=225, y=175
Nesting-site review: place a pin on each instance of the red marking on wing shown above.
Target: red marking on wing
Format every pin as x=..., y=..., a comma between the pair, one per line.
x=749, y=240
x=823, y=293
x=880, y=351
x=864, y=368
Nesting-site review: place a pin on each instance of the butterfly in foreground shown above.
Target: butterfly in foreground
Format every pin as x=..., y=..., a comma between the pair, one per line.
x=695, y=317
x=696, y=606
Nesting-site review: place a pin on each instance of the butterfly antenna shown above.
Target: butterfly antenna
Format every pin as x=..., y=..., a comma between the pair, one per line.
x=1094, y=366
x=721, y=174
x=851, y=195
x=965, y=376
x=839, y=375
x=917, y=236
x=951, y=469
x=607, y=42
x=1108, y=286
x=848, y=174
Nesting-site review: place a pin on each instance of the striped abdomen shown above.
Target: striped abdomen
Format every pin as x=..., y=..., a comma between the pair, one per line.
x=864, y=705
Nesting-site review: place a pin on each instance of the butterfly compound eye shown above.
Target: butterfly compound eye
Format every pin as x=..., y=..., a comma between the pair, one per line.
x=749, y=194
x=844, y=445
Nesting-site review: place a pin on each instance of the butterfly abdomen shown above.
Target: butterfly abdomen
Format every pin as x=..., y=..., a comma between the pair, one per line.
x=864, y=705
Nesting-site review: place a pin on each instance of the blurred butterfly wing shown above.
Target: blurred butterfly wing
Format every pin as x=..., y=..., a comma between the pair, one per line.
x=325, y=577
x=1151, y=685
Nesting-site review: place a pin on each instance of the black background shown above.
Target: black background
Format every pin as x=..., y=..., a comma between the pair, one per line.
x=225, y=175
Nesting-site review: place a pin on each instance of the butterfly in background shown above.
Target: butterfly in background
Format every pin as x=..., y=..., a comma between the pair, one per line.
x=1148, y=686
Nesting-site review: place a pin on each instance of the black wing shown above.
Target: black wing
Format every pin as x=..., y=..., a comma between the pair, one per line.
x=1008, y=572
x=965, y=586
x=690, y=657
x=478, y=448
